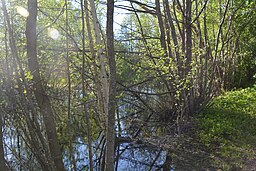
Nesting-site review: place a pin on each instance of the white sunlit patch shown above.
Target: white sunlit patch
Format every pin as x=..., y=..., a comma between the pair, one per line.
x=22, y=11
x=53, y=33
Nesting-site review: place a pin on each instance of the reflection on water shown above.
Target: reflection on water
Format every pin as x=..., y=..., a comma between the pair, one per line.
x=130, y=158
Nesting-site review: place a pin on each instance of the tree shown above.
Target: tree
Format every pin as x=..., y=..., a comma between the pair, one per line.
x=67, y=82
x=87, y=116
x=110, y=126
x=3, y=165
x=183, y=68
x=243, y=25
x=43, y=100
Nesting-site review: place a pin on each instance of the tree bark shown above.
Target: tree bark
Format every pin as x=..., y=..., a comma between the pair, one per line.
x=110, y=136
x=42, y=99
x=96, y=80
x=34, y=135
x=168, y=162
x=188, y=35
x=99, y=44
x=161, y=25
x=86, y=113
x=173, y=34
x=3, y=166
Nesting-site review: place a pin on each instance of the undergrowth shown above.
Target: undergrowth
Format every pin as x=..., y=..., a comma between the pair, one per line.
x=227, y=129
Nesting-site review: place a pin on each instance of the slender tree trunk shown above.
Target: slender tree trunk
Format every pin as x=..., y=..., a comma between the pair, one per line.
x=2, y=159
x=87, y=115
x=173, y=34
x=188, y=35
x=168, y=162
x=34, y=134
x=161, y=26
x=201, y=46
x=3, y=166
x=110, y=136
x=69, y=131
x=42, y=99
x=93, y=54
x=99, y=44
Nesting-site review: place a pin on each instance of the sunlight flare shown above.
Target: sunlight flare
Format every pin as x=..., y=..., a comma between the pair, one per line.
x=53, y=33
x=22, y=11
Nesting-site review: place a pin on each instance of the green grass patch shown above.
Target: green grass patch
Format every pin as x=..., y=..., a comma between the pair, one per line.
x=227, y=128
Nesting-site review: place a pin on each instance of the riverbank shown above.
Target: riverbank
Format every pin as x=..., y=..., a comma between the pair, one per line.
x=227, y=130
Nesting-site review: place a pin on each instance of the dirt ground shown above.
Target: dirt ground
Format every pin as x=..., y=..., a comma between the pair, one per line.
x=250, y=165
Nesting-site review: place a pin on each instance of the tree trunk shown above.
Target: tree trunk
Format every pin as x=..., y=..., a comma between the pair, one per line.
x=168, y=162
x=34, y=135
x=42, y=99
x=161, y=26
x=99, y=44
x=3, y=166
x=110, y=136
x=171, y=26
x=93, y=54
x=188, y=35
x=86, y=113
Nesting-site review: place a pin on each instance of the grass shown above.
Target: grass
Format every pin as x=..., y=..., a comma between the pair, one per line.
x=227, y=129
